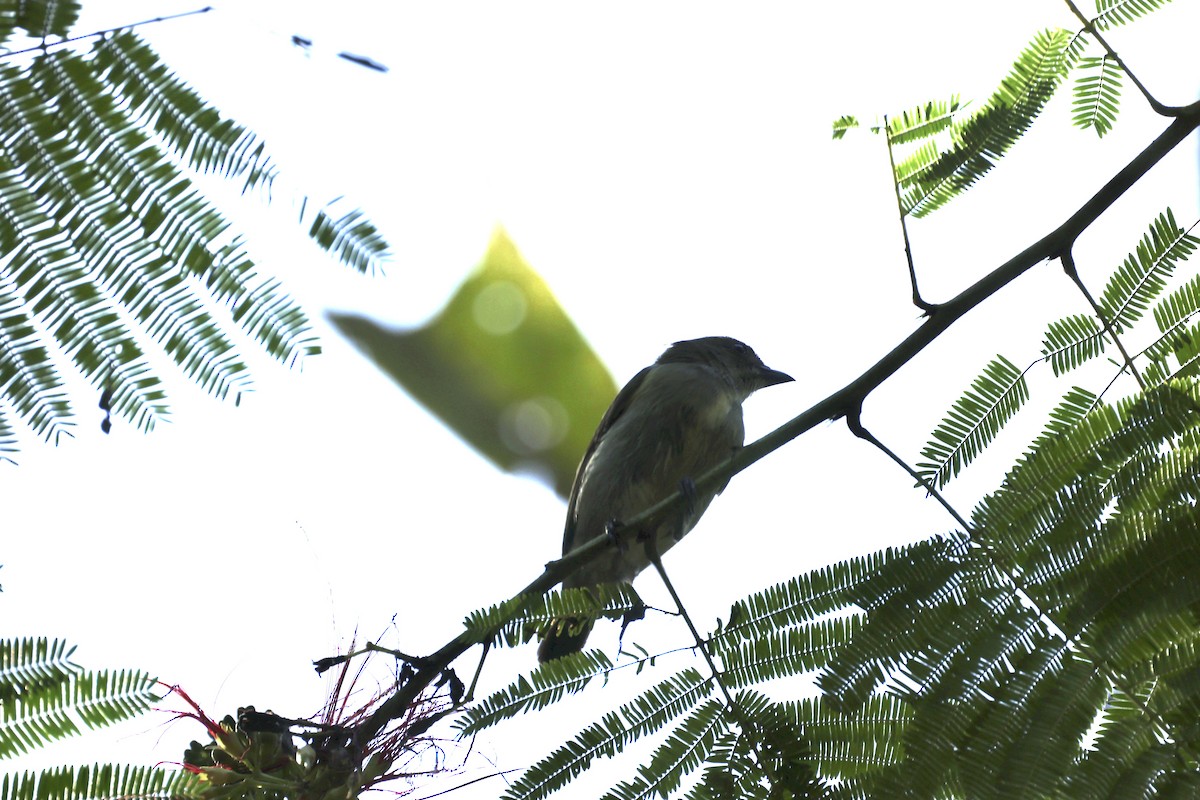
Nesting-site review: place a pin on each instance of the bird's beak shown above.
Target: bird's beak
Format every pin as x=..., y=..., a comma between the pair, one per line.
x=771, y=377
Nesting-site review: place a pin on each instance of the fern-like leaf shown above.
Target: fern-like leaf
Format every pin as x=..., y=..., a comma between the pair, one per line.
x=787, y=653
x=974, y=420
x=924, y=121
x=1072, y=341
x=1187, y=351
x=842, y=125
x=28, y=376
x=47, y=19
x=611, y=734
x=194, y=129
x=1171, y=315
x=106, y=780
x=31, y=665
x=682, y=753
x=517, y=619
x=548, y=684
x=796, y=601
x=849, y=746
x=92, y=700
x=351, y=237
x=1097, y=94
x=1111, y=13
x=109, y=248
x=979, y=142
x=1143, y=274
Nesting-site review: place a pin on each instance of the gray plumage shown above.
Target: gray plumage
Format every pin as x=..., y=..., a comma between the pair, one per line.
x=676, y=420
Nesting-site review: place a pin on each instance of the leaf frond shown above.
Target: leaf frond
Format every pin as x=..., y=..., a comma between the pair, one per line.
x=192, y=128
x=84, y=700
x=923, y=121
x=844, y=124
x=548, y=684
x=682, y=753
x=1112, y=13
x=1097, y=94
x=981, y=140
x=105, y=780
x=612, y=733
x=1071, y=342
x=1142, y=276
x=974, y=420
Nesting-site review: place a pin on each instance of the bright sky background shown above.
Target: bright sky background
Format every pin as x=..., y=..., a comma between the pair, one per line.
x=668, y=169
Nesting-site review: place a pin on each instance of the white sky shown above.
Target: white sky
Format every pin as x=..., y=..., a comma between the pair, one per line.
x=668, y=169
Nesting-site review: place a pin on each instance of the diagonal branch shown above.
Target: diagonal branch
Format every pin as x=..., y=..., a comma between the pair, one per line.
x=844, y=402
x=850, y=396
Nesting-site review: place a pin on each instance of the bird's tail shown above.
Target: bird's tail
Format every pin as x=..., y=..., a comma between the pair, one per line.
x=564, y=636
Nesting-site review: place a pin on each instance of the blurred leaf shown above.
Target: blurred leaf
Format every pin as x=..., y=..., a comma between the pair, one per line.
x=502, y=365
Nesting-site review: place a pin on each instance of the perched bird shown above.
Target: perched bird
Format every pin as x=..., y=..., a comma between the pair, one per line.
x=676, y=420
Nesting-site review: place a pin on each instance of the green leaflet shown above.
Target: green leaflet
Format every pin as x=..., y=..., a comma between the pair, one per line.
x=106, y=780
x=612, y=733
x=1112, y=13
x=978, y=142
x=1097, y=94
x=1072, y=341
x=1142, y=276
x=45, y=697
x=974, y=420
x=924, y=121
x=112, y=250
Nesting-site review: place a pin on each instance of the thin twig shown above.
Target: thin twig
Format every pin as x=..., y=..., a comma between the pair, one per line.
x=918, y=301
x=498, y=774
x=470, y=695
x=1090, y=27
x=1068, y=261
x=45, y=46
x=854, y=423
x=656, y=560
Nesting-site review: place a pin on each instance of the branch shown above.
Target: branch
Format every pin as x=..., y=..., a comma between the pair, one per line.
x=432, y=666
x=850, y=397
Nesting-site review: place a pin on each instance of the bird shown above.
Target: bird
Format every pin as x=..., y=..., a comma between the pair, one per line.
x=674, y=421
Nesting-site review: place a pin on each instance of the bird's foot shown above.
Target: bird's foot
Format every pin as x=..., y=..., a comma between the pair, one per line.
x=610, y=532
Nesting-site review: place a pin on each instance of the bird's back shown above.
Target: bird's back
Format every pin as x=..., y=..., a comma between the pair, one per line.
x=642, y=460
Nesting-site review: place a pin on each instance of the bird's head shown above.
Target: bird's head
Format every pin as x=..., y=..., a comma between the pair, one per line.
x=734, y=360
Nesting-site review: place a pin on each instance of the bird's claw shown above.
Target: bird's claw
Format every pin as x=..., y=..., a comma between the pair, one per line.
x=610, y=533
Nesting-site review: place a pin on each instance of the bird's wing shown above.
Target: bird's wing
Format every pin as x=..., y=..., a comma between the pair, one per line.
x=619, y=404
